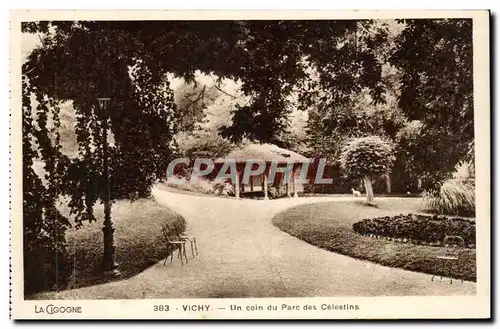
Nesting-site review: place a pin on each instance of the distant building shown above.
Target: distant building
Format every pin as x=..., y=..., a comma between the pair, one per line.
x=273, y=157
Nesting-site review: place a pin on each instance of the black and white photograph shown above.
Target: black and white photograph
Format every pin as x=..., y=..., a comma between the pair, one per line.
x=197, y=164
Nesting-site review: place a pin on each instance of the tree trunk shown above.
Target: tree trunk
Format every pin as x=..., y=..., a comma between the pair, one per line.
x=264, y=186
x=370, y=199
x=237, y=185
x=388, y=183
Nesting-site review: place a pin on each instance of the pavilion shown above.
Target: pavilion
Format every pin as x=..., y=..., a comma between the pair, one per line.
x=270, y=154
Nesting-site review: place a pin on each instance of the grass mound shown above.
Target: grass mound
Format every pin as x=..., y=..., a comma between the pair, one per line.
x=329, y=226
x=138, y=239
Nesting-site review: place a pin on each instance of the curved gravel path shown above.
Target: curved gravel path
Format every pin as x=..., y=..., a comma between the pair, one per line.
x=243, y=255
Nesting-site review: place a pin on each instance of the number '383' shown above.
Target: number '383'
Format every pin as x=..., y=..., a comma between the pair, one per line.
x=161, y=308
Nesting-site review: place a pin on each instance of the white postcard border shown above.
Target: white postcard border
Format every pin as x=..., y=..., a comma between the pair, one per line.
x=477, y=306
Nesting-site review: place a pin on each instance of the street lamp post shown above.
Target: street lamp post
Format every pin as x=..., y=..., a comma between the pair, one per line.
x=109, y=256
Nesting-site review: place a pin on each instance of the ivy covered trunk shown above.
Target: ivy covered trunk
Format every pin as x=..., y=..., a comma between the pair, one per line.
x=370, y=199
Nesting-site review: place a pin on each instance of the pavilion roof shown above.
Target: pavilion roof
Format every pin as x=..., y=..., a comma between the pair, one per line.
x=266, y=152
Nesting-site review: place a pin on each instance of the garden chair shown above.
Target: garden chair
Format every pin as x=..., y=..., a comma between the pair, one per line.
x=173, y=244
x=190, y=238
x=452, y=245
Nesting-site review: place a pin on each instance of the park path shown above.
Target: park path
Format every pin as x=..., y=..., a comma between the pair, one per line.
x=243, y=255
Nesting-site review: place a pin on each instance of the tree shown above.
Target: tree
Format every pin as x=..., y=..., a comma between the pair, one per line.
x=141, y=123
x=434, y=57
x=367, y=158
x=191, y=101
x=204, y=109
x=329, y=129
x=427, y=76
x=295, y=136
x=129, y=61
x=203, y=144
x=362, y=112
x=44, y=240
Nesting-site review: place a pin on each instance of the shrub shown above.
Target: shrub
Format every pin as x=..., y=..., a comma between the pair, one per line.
x=454, y=197
x=223, y=188
x=199, y=186
x=419, y=228
x=203, y=145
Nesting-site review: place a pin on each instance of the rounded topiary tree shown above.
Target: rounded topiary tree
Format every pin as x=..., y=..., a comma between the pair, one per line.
x=367, y=158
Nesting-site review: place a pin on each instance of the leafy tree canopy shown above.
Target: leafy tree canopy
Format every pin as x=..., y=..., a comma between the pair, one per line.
x=129, y=62
x=367, y=156
x=435, y=60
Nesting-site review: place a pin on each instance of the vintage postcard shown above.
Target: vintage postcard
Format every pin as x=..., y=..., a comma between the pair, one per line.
x=250, y=164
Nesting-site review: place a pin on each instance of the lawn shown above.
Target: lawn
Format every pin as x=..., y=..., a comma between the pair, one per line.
x=138, y=239
x=329, y=226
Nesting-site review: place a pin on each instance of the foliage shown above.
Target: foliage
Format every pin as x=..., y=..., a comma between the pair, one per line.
x=360, y=114
x=129, y=61
x=74, y=64
x=202, y=144
x=204, y=110
x=435, y=60
x=269, y=57
x=418, y=228
x=191, y=101
x=223, y=188
x=44, y=227
x=295, y=136
x=454, y=197
x=410, y=164
x=422, y=85
x=201, y=185
x=465, y=170
x=367, y=156
x=219, y=114
x=66, y=130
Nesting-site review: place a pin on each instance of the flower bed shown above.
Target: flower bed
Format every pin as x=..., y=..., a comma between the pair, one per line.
x=419, y=229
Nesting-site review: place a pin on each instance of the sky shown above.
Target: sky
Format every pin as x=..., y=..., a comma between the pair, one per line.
x=28, y=43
